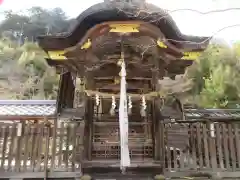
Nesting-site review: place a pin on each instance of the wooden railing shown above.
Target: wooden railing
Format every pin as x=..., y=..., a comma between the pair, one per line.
x=187, y=147
x=41, y=148
x=202, y=147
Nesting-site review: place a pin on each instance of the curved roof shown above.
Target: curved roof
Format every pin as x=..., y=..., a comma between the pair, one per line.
x=105, y=12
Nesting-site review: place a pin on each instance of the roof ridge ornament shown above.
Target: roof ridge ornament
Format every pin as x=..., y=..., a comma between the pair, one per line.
x=127, y=2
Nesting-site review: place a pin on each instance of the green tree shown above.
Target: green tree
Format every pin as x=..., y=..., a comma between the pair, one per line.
x=216, y=77
x=38, y=21
x=25, y=73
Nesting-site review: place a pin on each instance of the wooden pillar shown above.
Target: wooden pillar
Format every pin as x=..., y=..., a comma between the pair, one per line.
x=159, y=146
x=159, y=131
x=66, y=91
x=89, y=115
x=88, y=128
x=155, y=131
x=155, y=77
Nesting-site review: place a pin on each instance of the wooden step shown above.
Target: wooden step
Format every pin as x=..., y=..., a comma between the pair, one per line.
x=135, y=163
x=131, y=144
x=117, y=123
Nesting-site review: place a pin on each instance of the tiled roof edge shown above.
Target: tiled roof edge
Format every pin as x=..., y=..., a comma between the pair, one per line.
x=27, y=102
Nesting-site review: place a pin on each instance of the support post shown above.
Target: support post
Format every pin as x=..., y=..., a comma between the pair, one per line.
x=66, y=91
x=159, y=143
x=155, y=110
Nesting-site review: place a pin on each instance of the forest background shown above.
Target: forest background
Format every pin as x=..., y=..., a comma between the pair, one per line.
x=24, y=74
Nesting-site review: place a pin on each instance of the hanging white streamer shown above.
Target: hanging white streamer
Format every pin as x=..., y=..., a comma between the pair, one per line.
x=144, y=106
x=129, y=105
x=112, y=110
x=97, y=98
x=123, y=120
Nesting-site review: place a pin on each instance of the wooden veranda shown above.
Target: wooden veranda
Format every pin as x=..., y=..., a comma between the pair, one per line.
x=206, y=144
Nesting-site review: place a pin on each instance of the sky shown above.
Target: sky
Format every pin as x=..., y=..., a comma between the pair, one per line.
x=189, y=22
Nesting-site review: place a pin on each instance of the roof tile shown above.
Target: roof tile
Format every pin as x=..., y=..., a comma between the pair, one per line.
x=27, y=107
x=48, y=108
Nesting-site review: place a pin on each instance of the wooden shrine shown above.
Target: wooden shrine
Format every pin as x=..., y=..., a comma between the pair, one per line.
x=110, y=66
